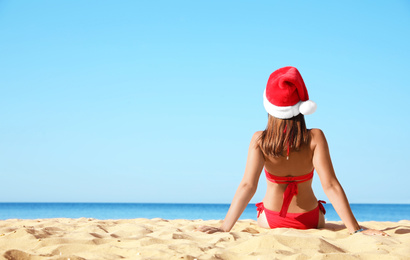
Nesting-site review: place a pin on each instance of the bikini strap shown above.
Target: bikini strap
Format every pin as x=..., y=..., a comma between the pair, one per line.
x=259, y=208
x=321, y=207
x=292, y=188
x=288, y=179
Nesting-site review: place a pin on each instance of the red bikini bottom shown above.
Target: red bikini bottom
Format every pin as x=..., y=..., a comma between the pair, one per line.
x=303, y=220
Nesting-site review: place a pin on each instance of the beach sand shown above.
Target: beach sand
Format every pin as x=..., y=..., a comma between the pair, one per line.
x=176, y=239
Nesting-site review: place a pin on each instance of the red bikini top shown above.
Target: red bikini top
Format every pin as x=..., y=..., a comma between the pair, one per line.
x=292, y=188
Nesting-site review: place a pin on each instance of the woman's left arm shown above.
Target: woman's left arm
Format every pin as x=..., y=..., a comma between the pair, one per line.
x=246, y=189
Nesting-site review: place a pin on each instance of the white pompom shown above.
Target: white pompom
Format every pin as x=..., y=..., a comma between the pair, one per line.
x=307, y=107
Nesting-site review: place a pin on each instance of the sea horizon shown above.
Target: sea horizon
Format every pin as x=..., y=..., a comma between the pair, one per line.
x=110, y=202
x=206, y=211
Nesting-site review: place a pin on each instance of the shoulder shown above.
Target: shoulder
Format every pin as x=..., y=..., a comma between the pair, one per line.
x=317, y=137
x=316, y=133
x=257, y=135
x=255, y=138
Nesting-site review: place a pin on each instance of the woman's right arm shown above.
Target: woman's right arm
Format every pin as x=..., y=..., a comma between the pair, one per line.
x=331, y=186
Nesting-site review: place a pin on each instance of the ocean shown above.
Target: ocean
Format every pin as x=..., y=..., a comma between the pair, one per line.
x=362, y=212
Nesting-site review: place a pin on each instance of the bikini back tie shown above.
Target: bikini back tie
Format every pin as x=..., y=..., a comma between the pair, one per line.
x=292, y=188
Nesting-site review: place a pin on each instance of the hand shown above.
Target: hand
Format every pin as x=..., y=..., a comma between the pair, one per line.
x=208, y=229
x=374, y=232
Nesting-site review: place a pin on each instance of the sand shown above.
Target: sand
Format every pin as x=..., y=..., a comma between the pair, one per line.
x=176, y=239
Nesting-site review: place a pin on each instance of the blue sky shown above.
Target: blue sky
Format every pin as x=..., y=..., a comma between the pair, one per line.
x=156, y=101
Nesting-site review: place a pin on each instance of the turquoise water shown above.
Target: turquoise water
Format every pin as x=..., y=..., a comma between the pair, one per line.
x=363, y=212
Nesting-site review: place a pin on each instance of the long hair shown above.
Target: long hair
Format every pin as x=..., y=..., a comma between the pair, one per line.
x=283, y=133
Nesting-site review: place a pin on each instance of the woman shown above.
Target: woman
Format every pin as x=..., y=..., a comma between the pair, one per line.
x=289, y=153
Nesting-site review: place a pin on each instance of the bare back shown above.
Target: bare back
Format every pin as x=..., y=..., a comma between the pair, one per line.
x=299, y=163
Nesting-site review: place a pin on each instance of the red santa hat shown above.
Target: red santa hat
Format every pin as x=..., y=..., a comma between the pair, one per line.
x=286, y=95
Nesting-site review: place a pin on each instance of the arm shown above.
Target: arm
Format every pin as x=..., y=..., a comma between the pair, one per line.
x=331, y=186
x=248, y=185
x=246, y=189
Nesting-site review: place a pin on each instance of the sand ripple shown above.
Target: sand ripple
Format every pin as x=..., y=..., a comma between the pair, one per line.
x=83, y=238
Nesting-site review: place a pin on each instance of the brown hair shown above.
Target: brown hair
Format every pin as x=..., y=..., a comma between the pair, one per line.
x=281, y=133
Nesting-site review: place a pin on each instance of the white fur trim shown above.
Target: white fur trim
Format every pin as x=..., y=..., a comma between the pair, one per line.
x=307, y=107
x=280, y=112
